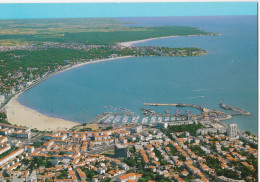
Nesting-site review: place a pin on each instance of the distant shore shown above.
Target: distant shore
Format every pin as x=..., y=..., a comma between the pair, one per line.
x=131, y=43
x=24, y=116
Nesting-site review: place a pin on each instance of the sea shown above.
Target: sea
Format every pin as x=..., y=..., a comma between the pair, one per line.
x=228, y=73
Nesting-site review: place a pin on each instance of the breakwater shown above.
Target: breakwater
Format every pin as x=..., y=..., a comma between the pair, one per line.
x=177, y=105
x=235, y=109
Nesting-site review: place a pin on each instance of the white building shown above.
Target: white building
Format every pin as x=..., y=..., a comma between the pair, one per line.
x=138, y=128
x=11, y=156
x=232, y=130
x=2, y=99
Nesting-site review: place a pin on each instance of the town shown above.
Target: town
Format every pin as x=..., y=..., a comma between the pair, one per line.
x=186, y=148
x=120, y=145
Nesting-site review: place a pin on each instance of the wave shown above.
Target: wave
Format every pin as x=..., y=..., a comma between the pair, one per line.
x=200, y=90
x=205, y=89
x=182, y=86
x=201, y=96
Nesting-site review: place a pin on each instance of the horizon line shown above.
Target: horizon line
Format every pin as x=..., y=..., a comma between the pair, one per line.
x=124, y=17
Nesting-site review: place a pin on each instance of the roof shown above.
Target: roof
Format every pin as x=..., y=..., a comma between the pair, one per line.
x=126, y=176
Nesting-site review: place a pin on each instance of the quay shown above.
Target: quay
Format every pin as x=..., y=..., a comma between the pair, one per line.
x=177, y=105
x=237, y=110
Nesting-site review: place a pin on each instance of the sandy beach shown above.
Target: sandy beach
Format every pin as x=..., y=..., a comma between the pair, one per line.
x=23, y=116
x=91, y=62
x=131, y=43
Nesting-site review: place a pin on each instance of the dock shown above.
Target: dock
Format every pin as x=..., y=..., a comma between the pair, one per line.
x=235, y=109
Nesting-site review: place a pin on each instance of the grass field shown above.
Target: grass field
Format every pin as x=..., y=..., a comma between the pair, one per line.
x=93, y=127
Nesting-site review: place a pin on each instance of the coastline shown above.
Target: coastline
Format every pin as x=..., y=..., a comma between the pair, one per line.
x=20, y=115
x=91, y=62
x=131, y=43
x=24, y=116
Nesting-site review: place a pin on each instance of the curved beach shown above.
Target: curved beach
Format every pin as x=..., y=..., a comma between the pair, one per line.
x=131, y=43
x=21, y=115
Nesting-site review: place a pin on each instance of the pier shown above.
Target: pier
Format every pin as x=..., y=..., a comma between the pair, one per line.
x=237, y=110
x=177, y=105
x=150, y=116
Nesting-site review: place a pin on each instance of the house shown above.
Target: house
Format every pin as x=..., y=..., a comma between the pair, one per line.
x=126, y=177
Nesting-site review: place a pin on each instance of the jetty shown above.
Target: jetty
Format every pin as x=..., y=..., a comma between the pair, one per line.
x=177, y=105
x=235, y=109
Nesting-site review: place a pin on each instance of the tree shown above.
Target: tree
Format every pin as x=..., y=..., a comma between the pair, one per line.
x=141, y=180
x=130, y=162
x=48, y=164
x=106, y=180
x=130, y=171
x=26, y=161
x=3, y=118
x=37, y=144
x=109, y=128
x=228, y=173
x=63, y=174
x=132, y=150
x=247, y=132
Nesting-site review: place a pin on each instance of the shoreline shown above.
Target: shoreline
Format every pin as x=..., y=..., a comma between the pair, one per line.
x=18, y=114
x=90, y=62
x=131, y=43
x=21, y=115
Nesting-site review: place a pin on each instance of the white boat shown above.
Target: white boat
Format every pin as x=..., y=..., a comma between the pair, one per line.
x=160, y=119
x=144, y=120
x=125, y=119
x=167, y=119
x=153, y=119
x=117, y=119
x=108, y=120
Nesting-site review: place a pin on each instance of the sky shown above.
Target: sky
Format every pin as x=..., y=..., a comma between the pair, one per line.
x=155, y=9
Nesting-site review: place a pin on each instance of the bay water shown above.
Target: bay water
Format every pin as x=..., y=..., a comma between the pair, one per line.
x=228, y=73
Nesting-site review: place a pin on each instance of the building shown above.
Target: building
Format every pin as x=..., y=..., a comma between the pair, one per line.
x=138, y=128
x=138, y=148
x=2, y=99
x=121, y=151
x=162, y=125
x=21, y=134
x=128, y=177
x=232, y=130
x=11, y=156
x=225, y=179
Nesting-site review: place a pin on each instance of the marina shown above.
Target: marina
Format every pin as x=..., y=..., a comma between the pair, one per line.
x=119, y=118
x=150, y=116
